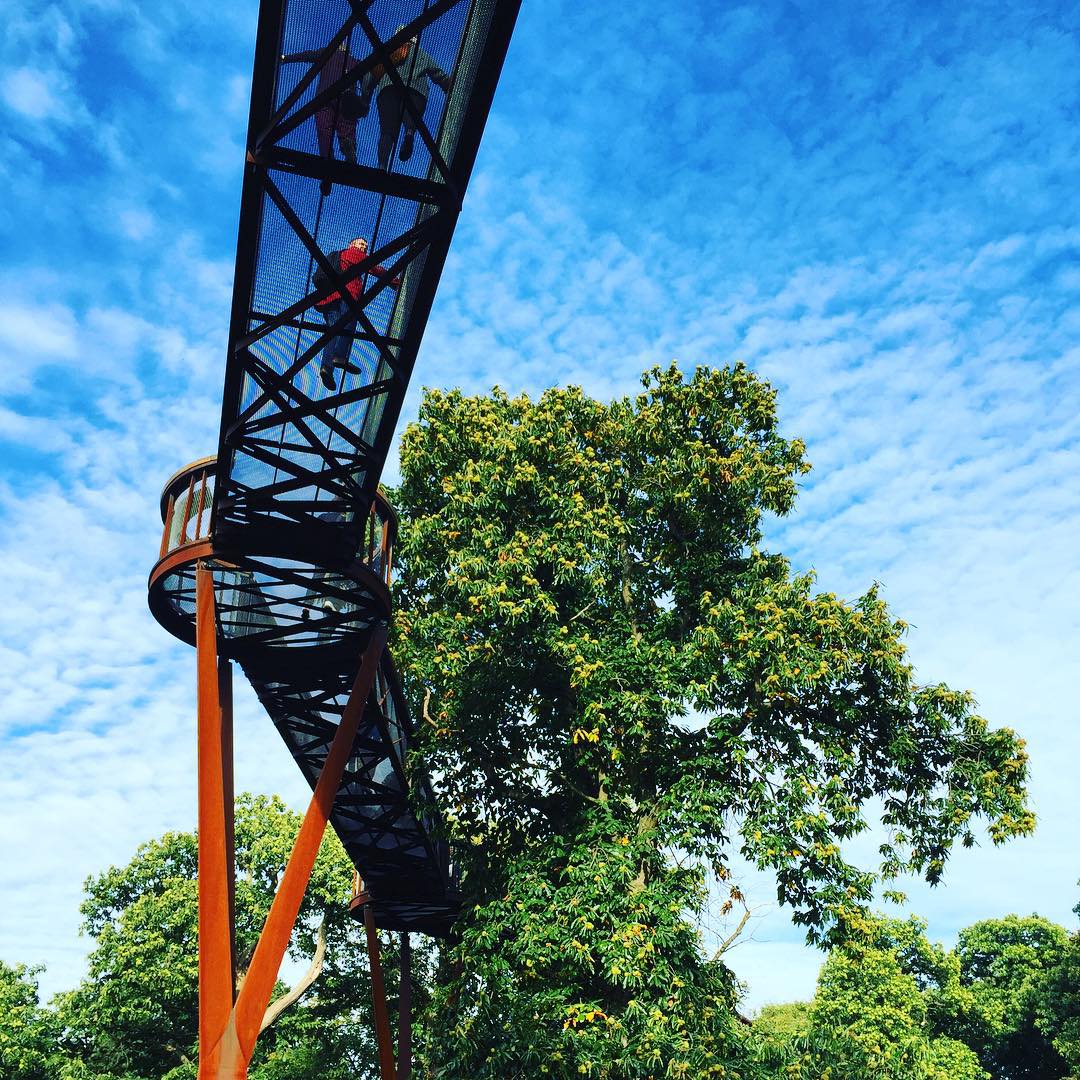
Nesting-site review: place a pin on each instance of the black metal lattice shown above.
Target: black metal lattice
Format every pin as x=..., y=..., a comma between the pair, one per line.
x=298, y=462
x=290, y=449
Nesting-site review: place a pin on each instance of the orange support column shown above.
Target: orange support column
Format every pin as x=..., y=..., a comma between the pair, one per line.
x=228, y=795
x=378, y=998
x=215, y=837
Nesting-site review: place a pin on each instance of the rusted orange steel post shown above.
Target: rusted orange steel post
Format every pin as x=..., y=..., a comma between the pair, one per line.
x=378, y=997
x=405, y=1010
x=228, y=793
x=215, y=839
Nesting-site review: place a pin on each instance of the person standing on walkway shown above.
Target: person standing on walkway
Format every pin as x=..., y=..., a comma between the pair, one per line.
x=339, y=115
x=339, y=347
x=415, y=67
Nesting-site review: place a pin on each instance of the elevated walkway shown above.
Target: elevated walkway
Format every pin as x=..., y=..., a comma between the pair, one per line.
x=365, y=120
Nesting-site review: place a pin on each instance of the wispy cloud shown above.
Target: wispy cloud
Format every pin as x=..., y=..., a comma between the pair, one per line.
x=33, y=94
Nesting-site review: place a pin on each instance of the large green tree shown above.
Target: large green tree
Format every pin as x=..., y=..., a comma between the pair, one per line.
x=1002, y=1004
x=1057, y=1004
x=870, y=1018
x=27, y=1031
x=619, y=687
x=1007, y=967
x=135, y=1016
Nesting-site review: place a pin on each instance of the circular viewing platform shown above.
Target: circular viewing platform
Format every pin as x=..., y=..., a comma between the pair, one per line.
x=263, y=598
x=434, y=911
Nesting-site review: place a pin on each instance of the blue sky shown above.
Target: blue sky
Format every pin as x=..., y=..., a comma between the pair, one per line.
x=876, y=208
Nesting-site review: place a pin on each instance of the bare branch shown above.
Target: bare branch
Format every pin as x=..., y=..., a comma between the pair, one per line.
x=730, y=939
x=276, y=1008
x=582, y=611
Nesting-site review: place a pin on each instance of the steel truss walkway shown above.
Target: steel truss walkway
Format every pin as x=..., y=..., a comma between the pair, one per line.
x=365, y=120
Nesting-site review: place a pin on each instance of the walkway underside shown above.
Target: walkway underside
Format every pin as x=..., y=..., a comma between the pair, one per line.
x=366, y=116
x=293, y=454
x=299, y=462
x=406, y=872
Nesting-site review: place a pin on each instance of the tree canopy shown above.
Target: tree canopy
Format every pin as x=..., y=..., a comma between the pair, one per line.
x=136, y=1014
x=1057, y=1004
x=871, y=1015
x=620, y=687
x=1001, y=1004
x=27, y=1031
x=1004, y=967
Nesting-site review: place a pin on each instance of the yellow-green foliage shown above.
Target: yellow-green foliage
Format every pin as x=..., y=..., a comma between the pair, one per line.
x=604, y=658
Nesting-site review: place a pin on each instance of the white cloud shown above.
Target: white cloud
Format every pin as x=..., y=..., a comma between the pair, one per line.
x=35, y=331
x=30, y=92
x=136, y=223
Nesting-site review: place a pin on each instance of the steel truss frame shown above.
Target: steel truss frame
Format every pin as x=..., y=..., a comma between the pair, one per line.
x=280, y=421
x=274, y=584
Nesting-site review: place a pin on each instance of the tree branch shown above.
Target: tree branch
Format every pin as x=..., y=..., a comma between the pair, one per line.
x=276, y=1008
x=599, y=798
x=583, y=610
x=730, y=939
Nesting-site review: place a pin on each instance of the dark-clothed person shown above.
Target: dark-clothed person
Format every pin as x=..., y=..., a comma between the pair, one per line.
x=414, y=67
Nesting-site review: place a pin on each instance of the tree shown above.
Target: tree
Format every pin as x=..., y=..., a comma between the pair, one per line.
x=790, y=1019
x=1057, y=1004
x=891, y=1004
x=27, y=1031
x=585, y=964
x=619, y=687
x=782, y=1038
x=1005, y=965
x=136, y=1014
x=870, y=1015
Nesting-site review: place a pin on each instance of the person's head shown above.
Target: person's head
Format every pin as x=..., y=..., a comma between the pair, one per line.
x=360, y=243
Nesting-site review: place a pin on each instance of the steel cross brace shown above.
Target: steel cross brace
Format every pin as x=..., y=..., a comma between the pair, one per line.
x=338, y=280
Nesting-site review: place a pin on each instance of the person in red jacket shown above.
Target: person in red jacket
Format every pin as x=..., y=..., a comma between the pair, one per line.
x=339, y=347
